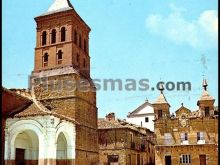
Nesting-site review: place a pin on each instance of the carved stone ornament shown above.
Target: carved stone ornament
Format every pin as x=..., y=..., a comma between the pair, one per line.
x=183, y=122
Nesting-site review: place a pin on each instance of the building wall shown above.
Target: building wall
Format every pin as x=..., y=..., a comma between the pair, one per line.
x=193, y=150
x=118, y=142
x=173, y=126
x=140, y=120
x=138, y=116
x=71, y=21
x=78, y=105
x=10, y=102
x=175, y=146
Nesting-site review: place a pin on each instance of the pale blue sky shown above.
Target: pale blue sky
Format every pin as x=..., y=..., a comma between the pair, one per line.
x=162, y=39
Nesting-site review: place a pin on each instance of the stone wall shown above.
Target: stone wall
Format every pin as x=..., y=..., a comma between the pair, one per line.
x=194, y=151
x=175, y=146
x=207, y=125
x=118, y=142
x=79, y=105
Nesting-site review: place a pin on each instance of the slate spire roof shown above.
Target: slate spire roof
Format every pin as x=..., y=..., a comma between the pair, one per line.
x=59, y=6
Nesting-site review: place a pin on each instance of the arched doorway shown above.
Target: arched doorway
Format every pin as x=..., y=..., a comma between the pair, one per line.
x=61, y=150
x=26, y=148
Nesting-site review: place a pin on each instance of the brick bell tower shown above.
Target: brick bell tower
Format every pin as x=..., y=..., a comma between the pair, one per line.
x=61, y=61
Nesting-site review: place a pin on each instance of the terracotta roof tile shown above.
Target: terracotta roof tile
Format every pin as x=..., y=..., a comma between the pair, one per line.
x=37, y=109
x=117, y=123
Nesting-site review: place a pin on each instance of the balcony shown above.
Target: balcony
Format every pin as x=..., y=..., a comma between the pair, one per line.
x=184, y=142
x=201, y=142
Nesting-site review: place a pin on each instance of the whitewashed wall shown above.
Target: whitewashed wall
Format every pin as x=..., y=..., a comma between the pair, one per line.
x=38, y=136
x=139, y=117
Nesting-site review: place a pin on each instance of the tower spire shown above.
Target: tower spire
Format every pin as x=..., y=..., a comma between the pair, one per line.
x=59, y=6
x=205, y=84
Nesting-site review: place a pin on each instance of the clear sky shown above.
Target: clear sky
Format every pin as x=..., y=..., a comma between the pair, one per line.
x=168, y=40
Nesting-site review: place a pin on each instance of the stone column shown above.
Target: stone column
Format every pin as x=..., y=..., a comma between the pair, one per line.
x=50, y=142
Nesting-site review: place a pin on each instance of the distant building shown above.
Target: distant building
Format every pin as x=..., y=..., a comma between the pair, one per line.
x=142, y=116
x=123, y=143
x=189, y=137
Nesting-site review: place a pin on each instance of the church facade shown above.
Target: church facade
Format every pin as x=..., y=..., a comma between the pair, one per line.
x=189, y=137
x=60, y=124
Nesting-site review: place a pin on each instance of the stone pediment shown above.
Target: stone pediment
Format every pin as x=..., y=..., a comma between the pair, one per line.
x=183, y=111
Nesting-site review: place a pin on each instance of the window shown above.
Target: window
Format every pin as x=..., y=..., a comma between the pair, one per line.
x=206, y=111
x=53, y=36
x=184, y=136
x=132, y=141
x=59, y=57
x=45, y=60
x=44, y=38
x=129, y=159
x=146, y=119
x=85, y=45
x=200, y=136
x=167, y=138
x=142, y=146
x=75, y=36
x=112, y=159
x=84, y=63
x=63, y=34
x=80, y=41
x=168, y=160
x=160, y=113
x=138, y=159
x=132, y=137
x=185, y=159
x=77, y=59
x=215, y=112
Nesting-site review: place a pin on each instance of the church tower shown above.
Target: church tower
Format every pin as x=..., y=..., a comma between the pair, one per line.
x=206, y=102
x=62, y=39
x=61, y=76
x=161, y=106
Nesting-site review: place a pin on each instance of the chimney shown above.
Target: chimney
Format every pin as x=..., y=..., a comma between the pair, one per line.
x=110, y=116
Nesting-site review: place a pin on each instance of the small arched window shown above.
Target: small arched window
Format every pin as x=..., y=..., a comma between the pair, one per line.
x=63, y=34
x=45, y=60
x=77, y=59
x=75, y=37
x=80, y=41
x=59, y=57
x=84, y=63
x=53, y=36
x=85, y=46
x=44, y=38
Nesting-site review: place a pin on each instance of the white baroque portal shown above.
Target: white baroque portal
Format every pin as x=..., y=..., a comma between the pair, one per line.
x=39, y=140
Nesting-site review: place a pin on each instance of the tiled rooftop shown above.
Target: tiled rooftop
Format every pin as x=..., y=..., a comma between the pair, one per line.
x=118, y=123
